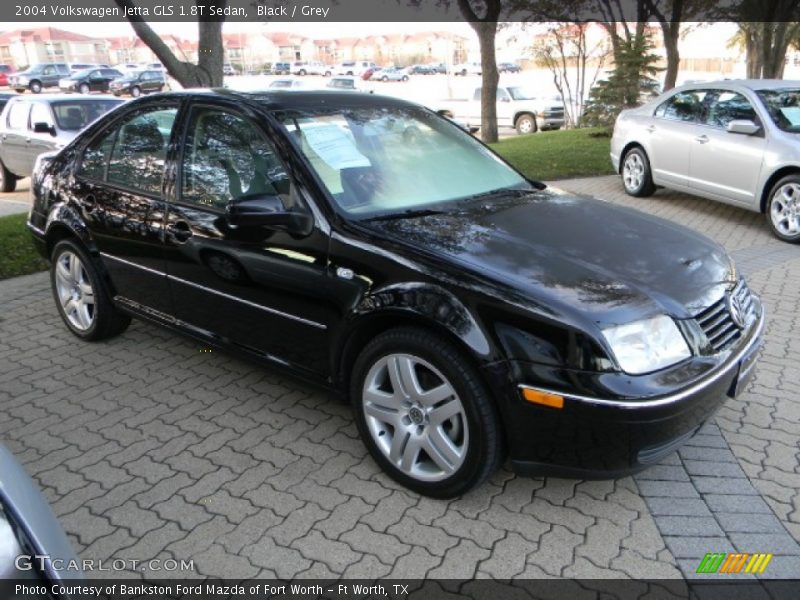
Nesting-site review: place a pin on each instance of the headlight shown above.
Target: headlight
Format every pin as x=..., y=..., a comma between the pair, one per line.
x=647, y=345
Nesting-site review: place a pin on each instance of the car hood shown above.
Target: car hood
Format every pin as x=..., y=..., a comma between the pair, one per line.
x=583, y=256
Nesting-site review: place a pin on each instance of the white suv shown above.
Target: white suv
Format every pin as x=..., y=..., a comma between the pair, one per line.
x=301, y=67
x=355, y=68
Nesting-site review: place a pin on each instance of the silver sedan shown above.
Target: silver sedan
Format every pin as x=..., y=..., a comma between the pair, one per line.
x=737, y=142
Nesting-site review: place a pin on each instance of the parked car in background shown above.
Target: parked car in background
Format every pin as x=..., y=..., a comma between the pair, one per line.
x=731, y=141
x=38, y=77
x=421, y=70
x=508, y=67
x=347, y=83
x=289, y=83
x=90, y=80
x=517, y=107
x=464, y=69
x=5, y=71
x=310, y=67
x=282, y=68
x=439, y=67
x=30, y=126
x=355, y=68
x=392, y=74
x=34, y=550
x=138, y=83
x=372, y=247
x=228, y=70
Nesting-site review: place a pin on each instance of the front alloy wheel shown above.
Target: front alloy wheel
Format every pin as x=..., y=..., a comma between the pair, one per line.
x=415, y=417
x=783, y=212
x=424, y=413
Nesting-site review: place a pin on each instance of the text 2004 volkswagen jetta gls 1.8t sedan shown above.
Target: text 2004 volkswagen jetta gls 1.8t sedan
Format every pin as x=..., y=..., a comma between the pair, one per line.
x=370, y=245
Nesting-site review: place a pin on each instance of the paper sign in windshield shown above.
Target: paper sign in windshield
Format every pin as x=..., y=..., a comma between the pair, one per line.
x=335, y=147
x=793, y=114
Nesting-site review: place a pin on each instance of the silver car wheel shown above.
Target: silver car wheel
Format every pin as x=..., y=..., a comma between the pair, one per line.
x=633, y=172
x=415, y=417
x=785, y=209
x=75, y=291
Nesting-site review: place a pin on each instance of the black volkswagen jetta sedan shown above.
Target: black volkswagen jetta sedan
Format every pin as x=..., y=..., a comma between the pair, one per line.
x=370, y=245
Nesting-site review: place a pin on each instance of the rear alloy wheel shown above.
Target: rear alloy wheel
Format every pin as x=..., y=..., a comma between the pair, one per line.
x=8, y=182
x=783, y=210
x=84, y=89
x=36, y=87
x=136, y=91
x=424, y=413
x=81, y=297
x=636, y=176
x=526, y=124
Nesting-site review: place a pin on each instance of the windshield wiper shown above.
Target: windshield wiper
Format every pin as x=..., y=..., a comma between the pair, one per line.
x=407, y=214
x=500, y=192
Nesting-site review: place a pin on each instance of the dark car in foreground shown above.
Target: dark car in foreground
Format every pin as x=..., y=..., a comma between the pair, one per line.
x=89, y=80
x=34, y=550
x=30, y=126
x=138, y=82
x=38, y=77
x=373, y=247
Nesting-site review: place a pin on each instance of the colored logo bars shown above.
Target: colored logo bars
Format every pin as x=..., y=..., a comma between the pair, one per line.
x=741, y=562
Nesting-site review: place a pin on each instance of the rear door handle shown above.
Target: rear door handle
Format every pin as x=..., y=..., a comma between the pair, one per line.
x=89, y=203
x=180, y=231
x=650, y=128
x=702, y=138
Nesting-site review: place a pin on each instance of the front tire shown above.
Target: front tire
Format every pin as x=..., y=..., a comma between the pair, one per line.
x=81, y=296
x=526, y=124
x=35, y=87
x=84, y=89
x=637, y=178
x=8, y=181
x=783, y=209
x=425, y=414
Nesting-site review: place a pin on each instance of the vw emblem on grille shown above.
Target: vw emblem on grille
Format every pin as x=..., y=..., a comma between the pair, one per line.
x=736, y=310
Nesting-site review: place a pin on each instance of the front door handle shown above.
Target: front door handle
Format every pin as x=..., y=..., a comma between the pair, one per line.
x=180, y=231
x=650, y=128
x=702, y=139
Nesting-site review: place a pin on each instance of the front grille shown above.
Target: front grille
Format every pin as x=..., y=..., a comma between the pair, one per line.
x=718, y=323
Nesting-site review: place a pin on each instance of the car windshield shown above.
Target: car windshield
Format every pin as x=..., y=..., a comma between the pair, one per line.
x=74, y=115
x=521, y=93
x=783, y=106
x=82, y=74
x=397, y=160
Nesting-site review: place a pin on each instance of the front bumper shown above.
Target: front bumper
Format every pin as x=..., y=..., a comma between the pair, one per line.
x=599, y=438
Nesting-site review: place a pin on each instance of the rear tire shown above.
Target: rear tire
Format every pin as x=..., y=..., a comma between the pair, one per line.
x=8, y=181
x=783, y=209
x=84, y=89
x=81, y=296
x=437, y=431
x=637, y=179
x=136, y=91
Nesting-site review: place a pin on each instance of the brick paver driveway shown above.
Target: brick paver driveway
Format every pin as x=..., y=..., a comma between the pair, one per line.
x=149, y=447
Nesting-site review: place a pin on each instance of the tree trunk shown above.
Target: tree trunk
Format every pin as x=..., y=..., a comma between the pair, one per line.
x=490, y=77
x=208, y=70
x=671, y=33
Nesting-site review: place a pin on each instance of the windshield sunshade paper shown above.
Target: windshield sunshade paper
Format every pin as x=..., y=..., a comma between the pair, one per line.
x=335, y=147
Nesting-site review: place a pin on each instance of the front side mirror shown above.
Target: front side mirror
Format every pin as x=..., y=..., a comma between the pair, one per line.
x=743, y=126
x=42, y=127
x=266, y=210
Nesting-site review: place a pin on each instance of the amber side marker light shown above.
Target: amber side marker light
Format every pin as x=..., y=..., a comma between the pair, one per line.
x=537, y=397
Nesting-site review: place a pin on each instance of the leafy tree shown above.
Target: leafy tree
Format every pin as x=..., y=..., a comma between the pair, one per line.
x=207, y=72
x=632, y=81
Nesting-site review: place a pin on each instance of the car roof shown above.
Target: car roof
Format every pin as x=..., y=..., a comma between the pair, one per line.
x=750, y=84
x=282, y=99
x=61, y=97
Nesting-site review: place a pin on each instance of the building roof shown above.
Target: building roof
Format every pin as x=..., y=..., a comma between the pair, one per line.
x=44, y=34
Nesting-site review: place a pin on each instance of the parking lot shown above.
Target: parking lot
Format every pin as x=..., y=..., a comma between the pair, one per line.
x=149, y=446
